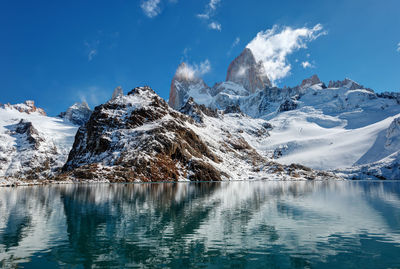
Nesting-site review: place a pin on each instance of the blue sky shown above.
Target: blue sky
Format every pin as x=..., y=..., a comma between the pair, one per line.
x=59, y=52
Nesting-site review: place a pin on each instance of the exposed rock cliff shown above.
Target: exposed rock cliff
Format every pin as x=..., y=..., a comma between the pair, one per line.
x=245, y=71
x=186, y=84
x=27, y=107
x=138, y=137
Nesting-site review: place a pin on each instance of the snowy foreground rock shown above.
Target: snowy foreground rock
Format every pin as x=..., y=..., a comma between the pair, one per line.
x=239, y=129
x=139, y=137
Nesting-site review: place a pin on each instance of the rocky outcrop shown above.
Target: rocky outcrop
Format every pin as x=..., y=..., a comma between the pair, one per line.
x=138, y=137
x=346, y=83
x=28, y=133
x=288, y=105
x=245, y=71
x=185, y=83
x=393, y=134
x=196, y=111
x=117, y=92
x=77, y=114
x=233, y=109
x=26, y=107
x=390, y=95
x=311, y=81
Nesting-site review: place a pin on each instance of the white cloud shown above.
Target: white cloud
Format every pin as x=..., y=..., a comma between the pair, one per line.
x=151, y=8
x=92, y=49
x=398, y=47
x=191, y=71
x=93, y=95
x=215, y=26
x=273, y=46
x=236, y=42
x=213, y=4
x=306, y=64
x=209, y=13
x=92, y=53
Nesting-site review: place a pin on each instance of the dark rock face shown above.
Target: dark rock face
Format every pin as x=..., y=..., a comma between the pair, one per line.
x=30, y=133
x=288, y=105
x=390, y=95
x=244, y=70
x=196, y=112
x=233, y=109
x=33, y=158
x=313, y=80
x=77, y=114
x=139, y=137
x=348, y=83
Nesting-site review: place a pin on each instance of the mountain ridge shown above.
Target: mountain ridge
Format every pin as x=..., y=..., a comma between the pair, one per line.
x=242, y=128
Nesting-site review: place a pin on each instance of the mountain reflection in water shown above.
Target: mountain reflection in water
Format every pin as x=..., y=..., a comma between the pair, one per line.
x=227, y=224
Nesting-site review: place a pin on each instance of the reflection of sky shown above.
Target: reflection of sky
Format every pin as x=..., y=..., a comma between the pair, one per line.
x=317, y=220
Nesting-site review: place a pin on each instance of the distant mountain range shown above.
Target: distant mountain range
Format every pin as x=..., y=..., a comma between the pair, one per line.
x=243, y=128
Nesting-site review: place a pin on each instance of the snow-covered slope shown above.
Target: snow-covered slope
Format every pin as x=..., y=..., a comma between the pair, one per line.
x=336, y=127
x=32, y=145
x=242, y=128
x=138, y=137
x=323, y=128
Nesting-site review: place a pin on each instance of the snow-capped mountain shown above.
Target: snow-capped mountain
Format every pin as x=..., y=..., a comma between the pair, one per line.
x=185, y=84
x=77, y=114
x=241, y=128
x=138, y=137
x=33, y=146
x=339, y=127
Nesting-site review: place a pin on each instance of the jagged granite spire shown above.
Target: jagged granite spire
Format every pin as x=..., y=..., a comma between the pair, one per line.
x=244, y=70
x=184, y=82
x=313, y=80
x=117, y=92
x=346, y=83
x=78, y=113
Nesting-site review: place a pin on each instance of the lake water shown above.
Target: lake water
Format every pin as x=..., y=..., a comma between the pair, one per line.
x=259, y=224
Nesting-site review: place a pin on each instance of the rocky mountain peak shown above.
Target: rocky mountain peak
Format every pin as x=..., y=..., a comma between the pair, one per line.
x=117, y=92
x=308, y=82
x=78, y=113
x=27, y=107
x=143, y=91
x=139, y=137
x=185, y=81
x=346, y=83
x=244, y=70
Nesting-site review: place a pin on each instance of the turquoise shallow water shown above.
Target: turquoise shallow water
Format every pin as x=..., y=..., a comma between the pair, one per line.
x=260, y=224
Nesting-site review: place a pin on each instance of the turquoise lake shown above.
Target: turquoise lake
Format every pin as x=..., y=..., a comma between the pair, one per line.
x=258, y=224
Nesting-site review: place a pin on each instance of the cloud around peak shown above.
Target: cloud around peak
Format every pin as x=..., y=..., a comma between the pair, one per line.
x=306, y=64
x=192, y=71
x=273, y=46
